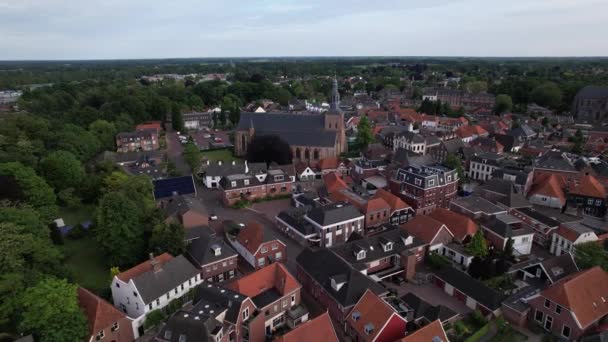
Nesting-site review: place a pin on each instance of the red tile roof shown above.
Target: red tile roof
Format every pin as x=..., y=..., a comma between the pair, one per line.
x=549, y=185
x=372, y=309
x=395, y=202
x=143, y=267
x=591, y=187
x=100, y=314
x=424, y=228
x=469, y=131
x=328, y=163
x=333, y=182
x=460, y=225
x=427, y=333
x=251, y=236
x=584, y=293
x=376, y=204
x=272, y=276
x=567, y=233
x=317, y=329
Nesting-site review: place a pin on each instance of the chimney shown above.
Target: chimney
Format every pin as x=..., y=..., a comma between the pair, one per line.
x=155, y=264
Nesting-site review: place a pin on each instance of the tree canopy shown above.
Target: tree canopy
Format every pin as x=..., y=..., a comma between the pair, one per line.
x=268, y=149
x=364, y=133
x=62, y=170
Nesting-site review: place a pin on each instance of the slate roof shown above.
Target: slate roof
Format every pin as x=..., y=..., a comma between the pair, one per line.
x=188, y=325
x=538, y=216
x=555, y=160
x=453, y=146
x=173, y=186
x=592, y=92
x=423, y=309
x=333, y=213
x=471, y=287
x=209, y=297
x=321, y=265
x=216, y=170
x=200, y=247
x=295, y=219
x=511, y=197
x=179, y=205
x=506, y=226
x=295, y=129
x=477, y=204
x=373, y=246
x=152, y=285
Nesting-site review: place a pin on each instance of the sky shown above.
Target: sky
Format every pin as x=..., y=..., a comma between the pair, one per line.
x=131, y=29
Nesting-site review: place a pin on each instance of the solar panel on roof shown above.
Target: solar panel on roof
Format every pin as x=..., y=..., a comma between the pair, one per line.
x=173, y=186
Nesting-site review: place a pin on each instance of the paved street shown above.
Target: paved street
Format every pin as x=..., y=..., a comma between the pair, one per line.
x=174, y=152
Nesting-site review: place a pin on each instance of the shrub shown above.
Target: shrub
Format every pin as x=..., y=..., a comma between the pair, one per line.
x=153, y=319
x=77, y=232
x=478, y=319
x=173, y=306
x=436, y=261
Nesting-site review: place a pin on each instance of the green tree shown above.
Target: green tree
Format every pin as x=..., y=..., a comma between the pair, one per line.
x=234, y=116
x=177, y=120
x=192, y=155
x=119, y=229
x=167, y=238
x=547, y=94
x=453, y=162
x=578, y=139
x=503, y=104
x=105, y=132
x=77, y=140
x=215, y=119
x=28, y=187
x=477, y=247
x=591, y=254
x=477, y=87
x=222, y=118
x=48, y=321
x=364, y=133
x=62, y=170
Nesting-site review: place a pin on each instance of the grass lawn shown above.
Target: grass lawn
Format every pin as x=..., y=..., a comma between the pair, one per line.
x=78, y=215
x=223, y=155
x=85, y=262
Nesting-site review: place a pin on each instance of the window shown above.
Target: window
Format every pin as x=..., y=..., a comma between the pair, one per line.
x=369, y=328
x=115, y=326
x=275, y=246
x=246, y=181
x=285, y=303
x=360, y=255
x=339, y=232
x=525, y=239
x=431, y=182
x=225, y=263
x=278, y=256
x=418, y=181
x=547, y=303
x=548, y=322
x=157, y=301
x=150, y=306
x=388, y=246
x=261, y=262
x=100, y=335
x=356, y=315
x=118, y=285
x=264, y=249
x=176, y=290
x=590, y=201
x=134, y=293
x=233, y=183
x=566, y=331
x=558, y=309
x=245, y=313
x=167, y=296
x=598, y=203
x=538, y=316
x=293, y=299
x=182, y=287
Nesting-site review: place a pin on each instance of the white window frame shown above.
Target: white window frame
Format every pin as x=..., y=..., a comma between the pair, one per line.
x=542, y=317
x=569, y=332
x=245, y=314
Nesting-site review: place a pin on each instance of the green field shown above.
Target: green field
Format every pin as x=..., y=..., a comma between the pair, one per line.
x=85, y=262
x=78, y=215
x=223, y=155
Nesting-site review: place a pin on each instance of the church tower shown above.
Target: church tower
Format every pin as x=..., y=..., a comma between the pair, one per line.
x=334, y=118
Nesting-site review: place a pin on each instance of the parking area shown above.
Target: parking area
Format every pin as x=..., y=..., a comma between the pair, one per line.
x=431, y=294
x=204, y=138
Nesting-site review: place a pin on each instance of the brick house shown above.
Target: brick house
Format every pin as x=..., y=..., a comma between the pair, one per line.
x=274, y=292
x=400, y=212
x=425, y=188
x=547, y=191
x=211, y=255
x=104, y=320
x=590, y=196
x=462, y=227
x=258, y=247
x=558, y=164
x=247, y=186
x=483, y=165
x=319, y=328
x=573, y=306
x=375, y=210
x=332, y=282
x=384, y=255
x=431, y=332
x=565, y=238
x=185, y=210
x=432, y=232
x=504, y=227
x=372, y=319
x=140, y=140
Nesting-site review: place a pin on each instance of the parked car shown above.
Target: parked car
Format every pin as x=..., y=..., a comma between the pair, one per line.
x=213, y=217
x=207, y=136
x=218, y=140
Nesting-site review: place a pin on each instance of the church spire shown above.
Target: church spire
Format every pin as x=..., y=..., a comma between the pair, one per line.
x=335, y=95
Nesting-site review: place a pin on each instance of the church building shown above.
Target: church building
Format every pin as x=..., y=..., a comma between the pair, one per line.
x=312, y=137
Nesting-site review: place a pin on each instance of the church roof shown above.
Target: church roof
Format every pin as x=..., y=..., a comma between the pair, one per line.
x=295, y=129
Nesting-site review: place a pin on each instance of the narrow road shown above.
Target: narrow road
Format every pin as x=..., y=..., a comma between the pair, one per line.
x=174, y=152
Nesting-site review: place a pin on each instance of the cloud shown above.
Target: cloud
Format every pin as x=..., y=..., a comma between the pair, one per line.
x=72, y=29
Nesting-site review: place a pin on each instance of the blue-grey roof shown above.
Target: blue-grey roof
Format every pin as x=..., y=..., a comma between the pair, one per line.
x=152, y=285
x=295, y=129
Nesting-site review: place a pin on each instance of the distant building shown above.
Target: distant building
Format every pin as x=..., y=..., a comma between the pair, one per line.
x=141, y=140
x=197, y=120
x=483, y=165
x=591, y=104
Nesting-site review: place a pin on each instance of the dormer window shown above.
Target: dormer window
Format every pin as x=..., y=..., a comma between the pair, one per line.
x=418, y=181
x=360, y=255
x=100, y=335
x=233, y=183
x=217, y=250
x=278, y=178
x=246, y=181
x=388, y=246
x=369, y=328
x=356, y=315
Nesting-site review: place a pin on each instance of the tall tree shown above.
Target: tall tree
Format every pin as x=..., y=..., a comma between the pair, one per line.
x=119, y=229
x=591, y=254
x=477, y=246
x=48, y=321
x=269, y=148
x=452, y=161
x=192, y=156
x=105, y=132
x=24, y=185
x=177, y=120
x=62, y=170
x=547, y=94
x=167, y=238
x=364, y=133
x=503, y=104
x=235, y=116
